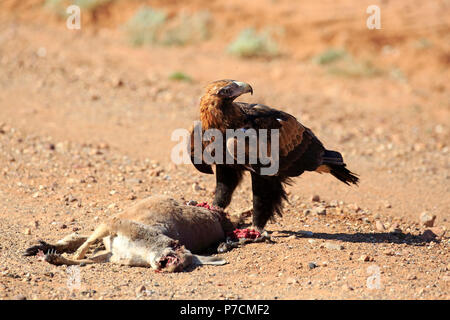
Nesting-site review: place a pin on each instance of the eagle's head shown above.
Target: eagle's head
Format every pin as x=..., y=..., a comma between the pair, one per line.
x=227, y=89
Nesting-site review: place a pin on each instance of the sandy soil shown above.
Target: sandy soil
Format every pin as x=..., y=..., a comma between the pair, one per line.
x=85, y=125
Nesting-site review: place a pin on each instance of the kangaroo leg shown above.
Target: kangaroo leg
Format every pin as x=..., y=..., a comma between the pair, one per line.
x=57, y=259
x=68, y=244
x=99, y=233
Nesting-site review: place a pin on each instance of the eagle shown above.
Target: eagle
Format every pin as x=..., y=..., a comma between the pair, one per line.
x=299, y=150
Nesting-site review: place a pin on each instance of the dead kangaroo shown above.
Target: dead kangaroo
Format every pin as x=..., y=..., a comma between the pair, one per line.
x=158, y=232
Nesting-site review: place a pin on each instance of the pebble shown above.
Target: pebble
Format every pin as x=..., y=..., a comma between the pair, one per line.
x=354, y=206
x=41, y=52
x=334, y=203
x=192, y=203
x=312, y=265
x=411, y=277
x=346, y=287
x=315, y=198
x=380, y=226
x=196, y=187
x=365, y=258
x=20, y=297
x=432, y=233
x=395, y=229
x=321, y=211
x=27, y=231
x=333, y=246
x=388, y=252
x=292, y=281
x=112, y=206
x=427, y=219
x=140, y=290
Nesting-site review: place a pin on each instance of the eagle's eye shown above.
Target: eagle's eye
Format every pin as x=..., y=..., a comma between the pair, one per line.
x=224, y=92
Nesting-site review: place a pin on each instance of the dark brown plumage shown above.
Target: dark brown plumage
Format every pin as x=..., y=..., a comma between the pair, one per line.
x=299, y=149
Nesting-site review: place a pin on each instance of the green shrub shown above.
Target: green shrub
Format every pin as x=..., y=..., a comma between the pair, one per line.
x=249, y=44
x=341, y=63
x=188, y=29
x=149, y=26
x=180, y=76
x=145, y=26
x=329, y=56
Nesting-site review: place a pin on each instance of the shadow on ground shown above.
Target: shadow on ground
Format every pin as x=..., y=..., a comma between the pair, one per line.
x=382, y=237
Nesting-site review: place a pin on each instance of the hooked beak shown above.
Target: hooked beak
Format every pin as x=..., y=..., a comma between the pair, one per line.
x=244, y=87
x=234, y=90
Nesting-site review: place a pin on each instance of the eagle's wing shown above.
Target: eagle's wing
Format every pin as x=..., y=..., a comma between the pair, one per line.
x=299, y=149
x=196, y=137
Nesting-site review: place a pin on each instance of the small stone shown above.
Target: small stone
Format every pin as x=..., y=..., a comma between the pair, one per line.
x=112, y=206
x=389, y=252
x=116, y=82
x=132, y=197
x=333, y=246
x=292, y=281
x=140, y=290
x=395, y=229
x=432, y=233
x=307, y=212
x=196, y=187
x=315, y=198
x=427, y=219
x=411, y=277
x=346, y=287
x=71, y=181
x=27, y=231
x=94, y=96
x=321, y=211
x=192, y=203
x=380, y=226
x=112, y=192
x=41, y=52
x=312, y=265
x=365, y=258
x=20, y=297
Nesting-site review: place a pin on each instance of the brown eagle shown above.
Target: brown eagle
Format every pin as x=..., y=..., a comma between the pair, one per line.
x=299, y=149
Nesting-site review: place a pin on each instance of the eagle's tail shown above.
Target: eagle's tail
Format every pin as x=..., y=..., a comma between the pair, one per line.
x=334, y=162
